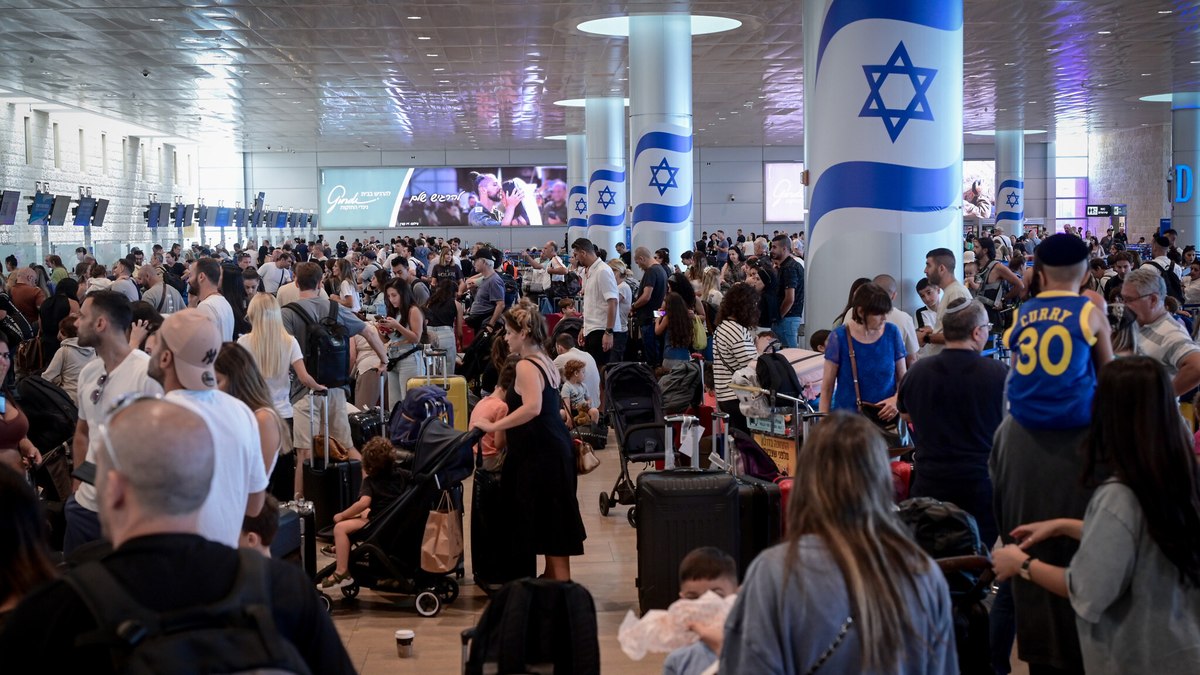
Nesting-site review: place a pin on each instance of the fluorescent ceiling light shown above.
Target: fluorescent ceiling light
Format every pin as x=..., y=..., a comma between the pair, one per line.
x=577, y=102
x=618, y=26
x=992, y=132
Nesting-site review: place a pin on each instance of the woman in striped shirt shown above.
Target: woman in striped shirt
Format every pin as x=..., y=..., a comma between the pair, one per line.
x=733, y=346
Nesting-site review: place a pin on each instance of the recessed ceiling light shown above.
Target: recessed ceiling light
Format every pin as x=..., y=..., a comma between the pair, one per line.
x=424, y=37
x=1010, y=64
x=1164, y=11
x=1146, y=74
x=263, y=84
x=431, y=55
x=720, y=118
x=533, y=53
x=618, y=26
x=1032, y=102
x=443, y=81
x=1104, y=32
x=438, y=70
x=415, y=18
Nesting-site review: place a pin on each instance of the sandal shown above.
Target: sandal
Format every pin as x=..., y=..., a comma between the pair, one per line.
x=336, y=580
x=329, y=550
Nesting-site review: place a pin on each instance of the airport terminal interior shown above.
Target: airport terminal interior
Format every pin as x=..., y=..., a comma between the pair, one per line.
x=861, y=136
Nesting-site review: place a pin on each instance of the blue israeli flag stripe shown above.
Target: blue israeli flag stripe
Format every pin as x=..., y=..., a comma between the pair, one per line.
x=842, y=13
x=662, y=140
x=1011, y=196
x=661, y=213
x=891, y=187
x=577, y=206
x=606, y=198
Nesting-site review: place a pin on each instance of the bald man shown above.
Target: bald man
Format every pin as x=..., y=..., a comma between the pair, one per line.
x=163, y=298
x=897, y=317
x=155, y=460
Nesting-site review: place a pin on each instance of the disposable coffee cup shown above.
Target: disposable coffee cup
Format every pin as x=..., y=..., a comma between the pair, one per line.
x=404, y=643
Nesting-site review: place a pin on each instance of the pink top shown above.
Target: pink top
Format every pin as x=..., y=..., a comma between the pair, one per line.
x=491, y=409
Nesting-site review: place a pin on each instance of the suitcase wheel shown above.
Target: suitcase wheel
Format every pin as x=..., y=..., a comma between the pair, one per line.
x=631, y=516
x=605, y=504
x=325, y=602
x=428, y=603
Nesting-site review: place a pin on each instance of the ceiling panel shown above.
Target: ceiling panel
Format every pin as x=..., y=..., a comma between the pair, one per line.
x=346, y=74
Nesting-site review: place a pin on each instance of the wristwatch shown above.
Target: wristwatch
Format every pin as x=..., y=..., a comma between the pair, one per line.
x=1026, y=572
x=608, y=331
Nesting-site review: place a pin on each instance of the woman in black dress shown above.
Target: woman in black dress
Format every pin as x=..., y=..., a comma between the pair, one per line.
x=538, y=482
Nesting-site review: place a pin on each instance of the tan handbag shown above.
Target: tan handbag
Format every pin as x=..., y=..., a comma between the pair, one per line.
x=586, y=460
x=337, y=451
x=442, y=546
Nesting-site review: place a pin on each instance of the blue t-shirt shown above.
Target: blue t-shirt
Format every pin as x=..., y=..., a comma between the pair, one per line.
x=876, y=366
x=1053, y=378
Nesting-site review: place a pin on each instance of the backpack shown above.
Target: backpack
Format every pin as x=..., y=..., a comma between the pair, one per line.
x=1174, y=286
x=512, y=288
x=419, y=404
x=51, y=412
x=171, y=279
x=326, y=346
x=236, y=634
x=776, y=374
x=536, y=625
x=944, y=530
x=681, y=388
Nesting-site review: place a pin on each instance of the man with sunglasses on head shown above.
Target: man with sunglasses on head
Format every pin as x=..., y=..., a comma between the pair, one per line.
x=119, y=370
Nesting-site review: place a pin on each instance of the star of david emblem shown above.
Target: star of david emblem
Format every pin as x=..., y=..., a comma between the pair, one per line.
x=607, y=197
x=210, y=356
x=656, y=182
x=1012, y=199
x=581, y=206
x=895, y=119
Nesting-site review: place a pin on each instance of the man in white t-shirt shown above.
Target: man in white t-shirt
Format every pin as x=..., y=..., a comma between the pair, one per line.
x=600, y=300
x=119, y=371
x=182, y=361
x=277, y=273
x=939, y=270
x=206, y=275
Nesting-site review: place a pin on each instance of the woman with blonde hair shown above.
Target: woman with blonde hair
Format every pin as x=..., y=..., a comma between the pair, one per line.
x=344, y=290
x=710, y=287
x=848, y=591
x=275, y=352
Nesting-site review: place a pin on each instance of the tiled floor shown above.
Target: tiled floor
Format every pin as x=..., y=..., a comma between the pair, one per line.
x=608, y=568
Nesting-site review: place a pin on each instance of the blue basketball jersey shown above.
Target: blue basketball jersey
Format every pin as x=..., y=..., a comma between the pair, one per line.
x=1053, y=377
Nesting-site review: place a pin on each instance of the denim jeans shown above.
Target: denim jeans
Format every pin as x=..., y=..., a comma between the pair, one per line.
x=650, y=353
x=788, y=330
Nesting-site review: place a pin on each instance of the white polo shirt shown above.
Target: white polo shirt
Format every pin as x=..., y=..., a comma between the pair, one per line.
x=599, y=287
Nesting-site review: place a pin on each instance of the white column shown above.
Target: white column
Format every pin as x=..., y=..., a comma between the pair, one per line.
x=1185, y=156
x=605, y=124
x=1010, y=181
x=883, y=144
x=577, y=187
x=660, y=124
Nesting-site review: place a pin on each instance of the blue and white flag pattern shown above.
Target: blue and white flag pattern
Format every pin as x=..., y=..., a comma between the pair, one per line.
x=577, y=210
x=661, y=182
x=1010, y=203
x=606, y=197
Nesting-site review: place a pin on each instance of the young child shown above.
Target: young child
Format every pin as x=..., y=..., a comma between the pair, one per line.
x=574, y=393
x=380, y=487
x=566, y=307
x=493, y=408
x=1059, y=339
x=259, y=531
x=767, y=342
x=704, y=569
x=818, y=340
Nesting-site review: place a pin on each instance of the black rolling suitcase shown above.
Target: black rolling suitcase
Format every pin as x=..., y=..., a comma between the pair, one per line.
x=493, y=560
x=679, y=510
x=370, y=421
x=760, y=503
x=330, y=486
x=297, y=536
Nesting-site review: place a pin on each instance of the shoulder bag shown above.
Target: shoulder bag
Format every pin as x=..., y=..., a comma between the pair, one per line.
x=895, y=431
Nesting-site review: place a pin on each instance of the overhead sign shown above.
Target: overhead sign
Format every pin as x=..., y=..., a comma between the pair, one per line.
x=1099, y=210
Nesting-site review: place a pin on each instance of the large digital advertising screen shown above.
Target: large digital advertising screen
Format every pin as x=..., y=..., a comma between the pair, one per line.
x=479, y=196
x=979, y=188
x=783, y=192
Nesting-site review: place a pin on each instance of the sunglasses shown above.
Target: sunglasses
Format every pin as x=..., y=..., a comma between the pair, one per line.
x=99, y=391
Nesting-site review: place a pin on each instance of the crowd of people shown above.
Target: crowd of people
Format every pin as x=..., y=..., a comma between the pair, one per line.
x=1045, y=444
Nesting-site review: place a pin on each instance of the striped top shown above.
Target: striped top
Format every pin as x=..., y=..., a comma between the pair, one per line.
x=733, y=349
x=1166, y=341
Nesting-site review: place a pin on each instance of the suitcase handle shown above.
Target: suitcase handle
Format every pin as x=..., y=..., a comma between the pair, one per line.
x=312, y=419
x=685, y=423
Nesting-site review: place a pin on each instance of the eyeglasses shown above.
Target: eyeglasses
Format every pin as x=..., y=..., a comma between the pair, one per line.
x=1126, y=299
x=121, y=404
x=99, y=389
x=988, y=326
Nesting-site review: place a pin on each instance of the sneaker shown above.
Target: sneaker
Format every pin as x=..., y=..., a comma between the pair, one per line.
x=336, y=580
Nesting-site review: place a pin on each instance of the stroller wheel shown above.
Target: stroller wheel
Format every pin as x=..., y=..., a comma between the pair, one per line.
x=350, y=591
x=448, y=591
x=631, y=516
x=326, y=602
x=605, y=505
x=428, y=603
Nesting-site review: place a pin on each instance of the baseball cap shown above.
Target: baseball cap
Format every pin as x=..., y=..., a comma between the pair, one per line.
x=968, y=257
x=193, y=338
x=486, y=253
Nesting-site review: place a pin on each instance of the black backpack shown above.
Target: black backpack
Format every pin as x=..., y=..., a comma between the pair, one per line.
x=512, y=288
x=944, y=530
x=1174, y=286
x=171, y=279
x=236, y=634
x=778, y=375
x=326, y=346
x=51, y=412
x=536, y=622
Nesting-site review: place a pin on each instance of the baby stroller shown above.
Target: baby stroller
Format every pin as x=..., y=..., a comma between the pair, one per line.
x=386, y=552
x=635, y=404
